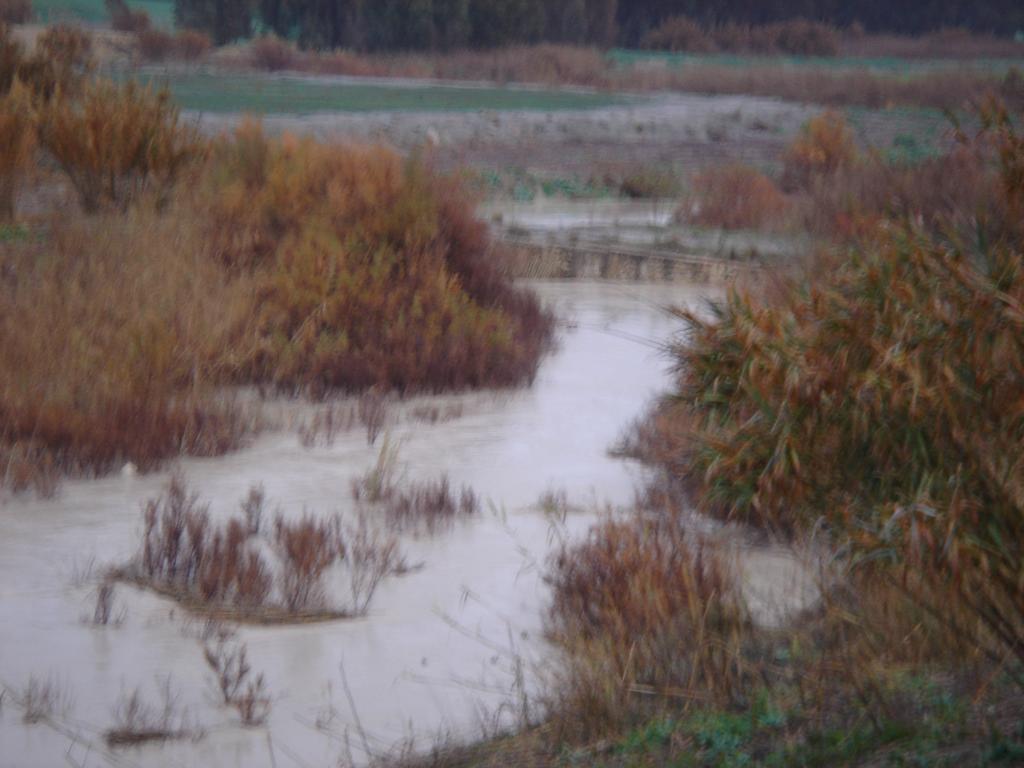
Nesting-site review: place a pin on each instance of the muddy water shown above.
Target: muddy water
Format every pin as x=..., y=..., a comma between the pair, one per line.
x=431, y=656
x=415, y=665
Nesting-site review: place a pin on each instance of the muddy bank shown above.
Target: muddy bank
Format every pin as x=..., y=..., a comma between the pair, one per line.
x=675, y=130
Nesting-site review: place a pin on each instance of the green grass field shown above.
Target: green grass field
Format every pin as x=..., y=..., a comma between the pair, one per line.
x=161, y=12
x=300, y=96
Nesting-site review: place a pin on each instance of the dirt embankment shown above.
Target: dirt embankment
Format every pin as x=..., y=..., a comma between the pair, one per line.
x=682, y=132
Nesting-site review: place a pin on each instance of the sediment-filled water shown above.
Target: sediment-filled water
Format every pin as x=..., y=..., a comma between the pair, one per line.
x=431, y=657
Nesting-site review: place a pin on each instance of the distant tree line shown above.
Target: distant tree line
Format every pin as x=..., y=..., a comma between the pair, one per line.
x=448, y=24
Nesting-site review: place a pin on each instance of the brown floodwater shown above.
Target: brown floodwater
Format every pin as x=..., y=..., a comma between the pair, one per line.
x=434, y=654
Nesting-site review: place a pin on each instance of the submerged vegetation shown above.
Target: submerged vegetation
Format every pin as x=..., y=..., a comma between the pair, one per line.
x=245, y=572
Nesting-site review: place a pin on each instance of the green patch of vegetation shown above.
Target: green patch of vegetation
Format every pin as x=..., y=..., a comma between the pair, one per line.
x=14, y=233
x=161, y=12
x=304, y=96
x=526, y=186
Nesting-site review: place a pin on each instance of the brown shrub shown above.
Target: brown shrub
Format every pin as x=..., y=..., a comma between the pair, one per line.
x=192, y=44
x=937, y=194
x=61, y=61
x=795, y=37
x=824, y=147
x=12, y=55
x=372, y=271
x=238, y=687
x=125, y=19
x=17, y=141
x=307, y=547
x=272, y=54
x=873, y=394
x=155, y=44
x=15, y=11
x=735, y=197
x=223, y=571
x=118, y=142
x=800, y=37
x=678, y=34
x=644, y=614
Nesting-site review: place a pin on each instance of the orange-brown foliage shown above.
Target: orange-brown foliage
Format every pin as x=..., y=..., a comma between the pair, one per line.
x=735, y=197
x=17, y=140
x=117, y=142
x=272, y=54
x=641, y=608
x=61, y=61
x=192, y=44
x=371, y=271
x=111, y=331
x=883, y=394
x=824, y=147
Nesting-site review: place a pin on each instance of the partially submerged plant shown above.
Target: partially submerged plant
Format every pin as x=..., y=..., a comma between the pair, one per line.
x=235, y=571
x=137, y=722
x=236, y=684
x=43, y=700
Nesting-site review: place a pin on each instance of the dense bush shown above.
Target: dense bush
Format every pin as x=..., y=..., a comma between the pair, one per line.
x=286, y=263
x=371, y=271
x=881, y=394
x=117, y=142
x=271, y=53
x=734, y=197
x=111, y=332
x=191, y=44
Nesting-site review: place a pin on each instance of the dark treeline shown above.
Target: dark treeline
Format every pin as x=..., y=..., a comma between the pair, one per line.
x=448, y=24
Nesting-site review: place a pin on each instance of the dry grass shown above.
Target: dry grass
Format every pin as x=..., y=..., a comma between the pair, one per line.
x=111, y=329
x=941, y=44
x=647, y=617
x=420, y=507
x=61, y=61
x=43, y=700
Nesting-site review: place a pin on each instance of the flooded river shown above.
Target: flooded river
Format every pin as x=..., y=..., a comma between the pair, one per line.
x=429, y=658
